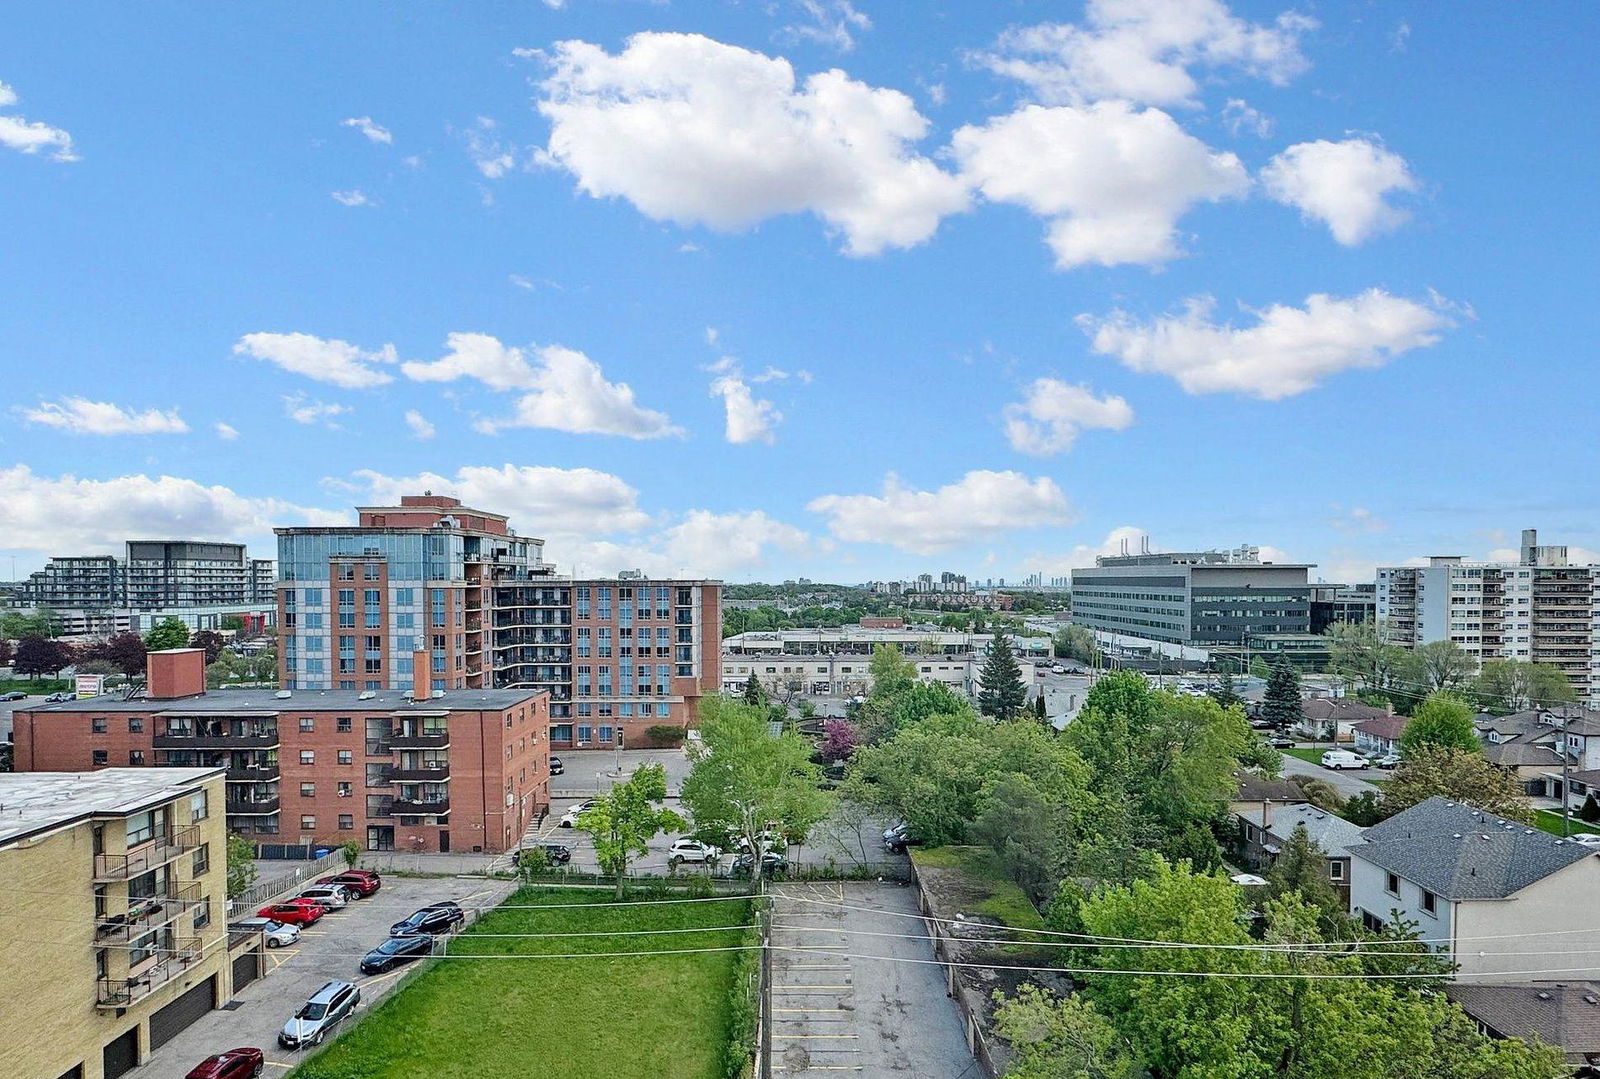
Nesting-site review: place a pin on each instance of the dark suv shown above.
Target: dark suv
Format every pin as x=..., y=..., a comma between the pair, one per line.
x=432, y=920
x=397, y=950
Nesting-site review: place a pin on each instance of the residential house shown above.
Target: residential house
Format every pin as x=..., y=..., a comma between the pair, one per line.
x=1473, y=883
x=1557, y=1013
x=1263, y=836
x=1381, y=736
x=1532, y=743
x=1335, y=718
x=1257, y=792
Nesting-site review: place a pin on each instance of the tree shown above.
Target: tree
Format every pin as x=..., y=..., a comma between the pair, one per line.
x=1505, y=686
x=1040, y=709
x=232, y=623
x=241, y=864
x=168, y=633
x=351, y=852
x=1076, y=642
x=839, y=740
x=1056, y=1037
x=1259, y=669
x=1001, y=691
x=1028, y=833
x=1224, y=693
x=1282, y=704
x=1302, y=868
x=752, y=691
x=1443, y=720
x=209, y=640
x=40, y=655
x=891, y=673
x=745, y=779
x=1442, y=665
x=1363, y=653
x=623, y=820
x=1365, y=809
x=127, y=652
x=1459, y=775
x=1590, y=813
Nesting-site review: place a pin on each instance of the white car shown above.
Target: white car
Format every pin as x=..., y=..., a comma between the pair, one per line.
x=570, y=818
x=692, y=850
x=1388, y=760
x=1586, y=839
x=278, y=934
x=1058, y=669
x=327, y=896
x=1342, y=758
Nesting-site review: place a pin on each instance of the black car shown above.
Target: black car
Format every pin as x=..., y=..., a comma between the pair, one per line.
x=555, y=853
x=898, y=838
x=14, y=695
x=396, y=950
x=556, y=767
x=773, y=864
x=433, y=920
x=1279, y=741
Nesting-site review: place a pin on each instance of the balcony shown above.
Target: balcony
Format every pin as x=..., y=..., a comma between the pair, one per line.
x=147, y=913
x=421, y=740
x=215, y=741
x=408, y=807
x=146, y=856
x=260, y=773
x=439, y=773
x=261, y=807
x=125, y=992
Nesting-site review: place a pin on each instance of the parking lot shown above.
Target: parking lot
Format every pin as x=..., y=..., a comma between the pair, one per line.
x=330, y=949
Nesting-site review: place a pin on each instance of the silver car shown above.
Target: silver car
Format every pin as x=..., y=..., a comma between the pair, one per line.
x=327, y=1008
x=278, y=934
x=327, y=896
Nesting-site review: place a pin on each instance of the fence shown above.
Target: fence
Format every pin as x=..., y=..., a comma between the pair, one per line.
x=967, y=1002
x=763, y=1063
x=264, y=891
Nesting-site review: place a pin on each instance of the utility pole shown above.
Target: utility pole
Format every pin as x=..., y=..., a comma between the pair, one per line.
x=1566, y=771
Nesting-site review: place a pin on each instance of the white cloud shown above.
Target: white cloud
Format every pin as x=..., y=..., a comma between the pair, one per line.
x=46, y=513
x=323, y=359
x=749, y=418
x=694, y=131
x=1050, y=415
x=541, y=501
x=1341, y=184
x=1056, y=564
x=1112, y=179
x=1239, y=116
x=703, y=543
x=1289, y=349
x=833, y=23
x=310, y=413
x=226, y=431
x=421, y=429
x=478, y=356
x=1143, y=50
x=374, y=132
x=32, y=137
x=353, y=197
x=569, y=392
x=492, y=157
x=980, y=505
x=1356, y=519
x=773, y=374
x=80, y=416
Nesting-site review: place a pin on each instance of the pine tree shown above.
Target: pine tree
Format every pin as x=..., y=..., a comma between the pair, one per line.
x=1282, y=705
x=1039, y=708
x=1224, y=693
x=1001, y=692
x=752, y=690
x=1590, y=813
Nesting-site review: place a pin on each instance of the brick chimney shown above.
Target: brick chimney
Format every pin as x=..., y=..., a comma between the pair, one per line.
x=421, y=674
x=175, y=672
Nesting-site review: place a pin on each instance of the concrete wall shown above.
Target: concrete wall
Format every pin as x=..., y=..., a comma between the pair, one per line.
x=1491, y=933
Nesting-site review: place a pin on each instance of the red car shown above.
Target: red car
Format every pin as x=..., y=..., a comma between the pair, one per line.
x=363, y=882
x=293, y=911
x=234, y=1064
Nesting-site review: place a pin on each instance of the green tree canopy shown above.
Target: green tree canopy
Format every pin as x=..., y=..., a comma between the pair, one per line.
x=1056, y=1037
x=624, y=819
x=1281, y=706
x=168, y=633
x=1443, y=720
x=1505, y=686
x=1001, y=691
x=1457, y=774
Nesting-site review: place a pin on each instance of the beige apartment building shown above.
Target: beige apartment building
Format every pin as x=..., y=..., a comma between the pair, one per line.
x=115, y=936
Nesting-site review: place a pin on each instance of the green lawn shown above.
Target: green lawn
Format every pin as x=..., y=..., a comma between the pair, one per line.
x=1312, y=755
x=667, y=1016
x=1551, y=822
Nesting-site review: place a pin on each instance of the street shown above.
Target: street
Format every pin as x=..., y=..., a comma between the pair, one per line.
x=1347, y=783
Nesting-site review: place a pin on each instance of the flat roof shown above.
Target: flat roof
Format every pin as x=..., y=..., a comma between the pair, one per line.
x=268, y=701
x=35, y=802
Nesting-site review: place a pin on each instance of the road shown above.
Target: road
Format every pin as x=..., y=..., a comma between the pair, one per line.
x=1347, y=783
x=331, y=949
x=844, y=1002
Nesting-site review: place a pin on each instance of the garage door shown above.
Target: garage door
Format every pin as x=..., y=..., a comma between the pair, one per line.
x=166, y=1023
x=246, y=968
x=121, y=1056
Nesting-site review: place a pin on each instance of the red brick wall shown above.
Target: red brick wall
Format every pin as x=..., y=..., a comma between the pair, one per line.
x=177, y=672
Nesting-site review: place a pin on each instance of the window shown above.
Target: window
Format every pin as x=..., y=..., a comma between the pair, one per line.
x=345, y=789
x=202, y=860
x=308, y=756
x=344, y=725
x=1335, y=869
x=347, y=821
x=135, y=757
x=199, y=807
x=97, y=726
x=1391, y=884
x=141, y=827
x=346, y=756
x=135, y=724
x=307, y=725
x=202, y=913
x=100, y=758
x=1430, y=902
x=308, y=790
x=308, y=823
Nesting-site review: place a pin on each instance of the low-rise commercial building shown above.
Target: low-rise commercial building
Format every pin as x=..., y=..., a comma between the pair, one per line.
x=118, y=935
x=847, y=675
x=411, y=770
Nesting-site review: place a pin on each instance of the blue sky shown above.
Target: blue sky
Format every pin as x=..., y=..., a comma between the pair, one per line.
x=840, y=290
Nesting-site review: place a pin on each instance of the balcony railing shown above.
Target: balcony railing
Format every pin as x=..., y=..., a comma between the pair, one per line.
x=407, y=807
x=147, y=856
x=261, y=807
x=147, y=913
x=124, y=992
x=215, y=741
x=260, y=773
x=440, y=740
x=434, y=774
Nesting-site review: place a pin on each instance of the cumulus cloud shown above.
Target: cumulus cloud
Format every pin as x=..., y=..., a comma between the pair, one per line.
x=477, y=356
x=353, y=197
x=1356, y=519
x=312, y=413
x=421, y=428
x=701, y=544
x=833, y=23
x=1143, y=51
x=226, y=431
x=79, y=416
x=1082, y=555
x=46, y=513
x=980, y=505
x=323, y=359
x=1287, y=351
x=1341, y=184
x=542, y=501
x=31, y=137
x=1112, y=179
x=373, y=131
x=697, y=132
x=570, y=393
x=1052, y=412
x=749, y=418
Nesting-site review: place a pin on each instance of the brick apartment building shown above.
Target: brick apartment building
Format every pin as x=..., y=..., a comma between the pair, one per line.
x=459, y=589
x=391, y=769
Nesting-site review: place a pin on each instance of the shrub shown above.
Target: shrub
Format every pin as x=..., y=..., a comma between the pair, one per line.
x=664, y=736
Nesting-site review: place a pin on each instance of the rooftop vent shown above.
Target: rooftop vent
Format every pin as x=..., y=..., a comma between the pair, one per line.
x=365, y=695
x=1543, y=995
x=437, y=694
x=283, y=694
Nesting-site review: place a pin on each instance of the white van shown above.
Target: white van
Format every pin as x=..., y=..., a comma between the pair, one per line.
x=1343, y=758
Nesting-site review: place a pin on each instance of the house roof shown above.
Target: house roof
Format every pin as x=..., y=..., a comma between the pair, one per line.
x=1341, y=708
x=1559, y=1013
x=1330, y=832
x=1536, y=722
x=1459, y=852
x=1258, y=788
x=1518, y=753
x=1385, y=727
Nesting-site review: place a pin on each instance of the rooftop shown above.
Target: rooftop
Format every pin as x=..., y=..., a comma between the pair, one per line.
x=1459, y=852
x=224, y=701
x=1560, y=1013
x=34, y=802
x=1330, y=832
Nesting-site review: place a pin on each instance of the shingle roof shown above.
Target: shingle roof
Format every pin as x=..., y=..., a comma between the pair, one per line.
x=1257, y=788
x=1330, y=832
x=1386, y=727
x=1560, y=1013
x=1339, y=708
x=1459, y=852
x=1514, y=754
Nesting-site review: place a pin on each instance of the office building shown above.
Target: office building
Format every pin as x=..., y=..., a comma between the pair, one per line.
x=1334, y=603
x=1199, y=599
x=459, y=587
x=116, y=934
x=1538, y=609
x=412, y=770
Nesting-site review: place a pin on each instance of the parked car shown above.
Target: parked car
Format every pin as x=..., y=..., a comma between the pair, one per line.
x=773, y=864
x=1058, y=669
x=14, y=695
x=570, y=818
x=1280, y=741
x=234, y=1064
x=396, y=950
x=293, y=912
x=360, y=883
x=1388, y=760
x=278, y=934
x=327, y=1008
x=1587, y=839
x=691, y=850
x=894, y=830
x=58, y=698
x=330, y=896
x=555, y=852
x=556, y=767
x=897, y=839
x=1260, y=724
x=433, y=920
x=1342, y=758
